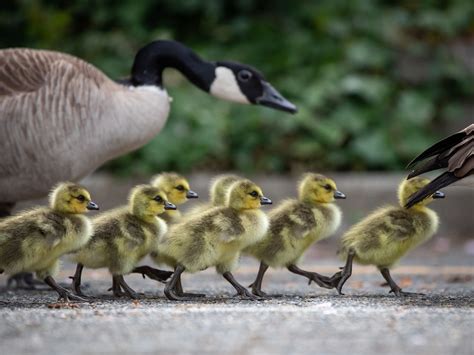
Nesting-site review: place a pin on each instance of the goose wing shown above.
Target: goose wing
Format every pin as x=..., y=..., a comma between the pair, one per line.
x=451, y=153
x=45, y=97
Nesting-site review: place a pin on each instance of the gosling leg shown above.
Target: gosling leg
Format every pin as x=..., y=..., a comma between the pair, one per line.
x=346, y=272
x=76, y=281
x=180, y=292
x=257, y=284
x=64, y=294
x=241, y=290
x=116, y=289
x=152, y=273
x=23, y=280
x=171, y=291
x=394, y=287
x=321, y=280
x=120, y=282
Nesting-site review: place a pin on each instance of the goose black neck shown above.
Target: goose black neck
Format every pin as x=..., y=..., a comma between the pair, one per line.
x=154, y=58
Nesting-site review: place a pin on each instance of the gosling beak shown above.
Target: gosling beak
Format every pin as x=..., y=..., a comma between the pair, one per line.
x=272, y=98
x=265, y=201
x=339, y=195
x=192, y=194
x=439, y=194
x=92, y=206
x=169, y=206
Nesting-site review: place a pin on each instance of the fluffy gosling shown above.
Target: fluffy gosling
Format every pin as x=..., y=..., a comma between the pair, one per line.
x=217, y=193
x=295, y=225
x=388, y=233
x=178, y=191
x=33, y=241
x=122, y=237
x=216, y=238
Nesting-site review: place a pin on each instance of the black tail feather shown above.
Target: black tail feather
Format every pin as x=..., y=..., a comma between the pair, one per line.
x=441, y=181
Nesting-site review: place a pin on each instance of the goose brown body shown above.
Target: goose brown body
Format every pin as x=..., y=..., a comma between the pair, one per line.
x=61, y=118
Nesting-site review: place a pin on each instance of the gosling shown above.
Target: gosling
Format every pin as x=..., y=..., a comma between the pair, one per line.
x=215, y=238
x=178, y=191
x=217, y=193
x=388, y=233
x=33, y=241
x=123, y=237
x=295, y=225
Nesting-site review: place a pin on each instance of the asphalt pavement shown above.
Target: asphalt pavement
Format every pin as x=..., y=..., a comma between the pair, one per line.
x=304, y=320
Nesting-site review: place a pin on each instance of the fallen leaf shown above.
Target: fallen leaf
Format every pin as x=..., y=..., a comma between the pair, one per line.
x=60, y=305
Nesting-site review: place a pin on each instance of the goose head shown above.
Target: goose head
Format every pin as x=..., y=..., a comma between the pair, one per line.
x=229, y=81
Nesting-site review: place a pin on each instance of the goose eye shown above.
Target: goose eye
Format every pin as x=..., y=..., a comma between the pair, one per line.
x=244, y=75
x=158, y=199
x=180, y=188
x=81, y=198
x=328, y=187
x=254, y=194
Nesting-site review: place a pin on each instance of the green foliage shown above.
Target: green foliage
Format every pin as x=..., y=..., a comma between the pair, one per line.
x=371, y=79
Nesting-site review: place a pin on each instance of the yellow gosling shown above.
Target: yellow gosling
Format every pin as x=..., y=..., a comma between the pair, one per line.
x=295, y=225
x=388, y=233
x=217, y=193
x=178, y=191
x=124, y=236
x=34, y=240
x=215, y=238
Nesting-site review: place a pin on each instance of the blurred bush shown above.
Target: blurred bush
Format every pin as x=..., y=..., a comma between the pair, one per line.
x=372, y=79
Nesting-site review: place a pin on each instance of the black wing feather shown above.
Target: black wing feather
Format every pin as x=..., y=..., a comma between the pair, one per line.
x=441, y=181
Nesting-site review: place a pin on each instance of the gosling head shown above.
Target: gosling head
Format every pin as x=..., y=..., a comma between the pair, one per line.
x=317, y=188
x=408, y=188
x=246, y=195
x=68, y=197
x=147, y=202
x=219, y=187
x=175, y=186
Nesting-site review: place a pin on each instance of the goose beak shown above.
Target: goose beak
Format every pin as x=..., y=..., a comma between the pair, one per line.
x=272, y=98
x=169, y=206
x=339, y=195
x=439, y=194
x=192, y=194
x=265, y=201
x=92, y=206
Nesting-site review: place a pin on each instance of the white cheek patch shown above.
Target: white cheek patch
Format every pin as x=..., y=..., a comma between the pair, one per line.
x=225, y=86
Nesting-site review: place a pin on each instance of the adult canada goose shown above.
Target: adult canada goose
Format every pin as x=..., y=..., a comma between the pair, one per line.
x=61, y=117
x=455, y=153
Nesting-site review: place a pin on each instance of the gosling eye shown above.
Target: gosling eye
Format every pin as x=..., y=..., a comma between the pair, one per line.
x=328, y=187
x=81, y=198
x=180, y=188
x=254, y=194
x=158, y=199
x=244, y=75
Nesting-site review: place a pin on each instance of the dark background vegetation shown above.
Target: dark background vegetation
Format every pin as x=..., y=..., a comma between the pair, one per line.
x=375, y=81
